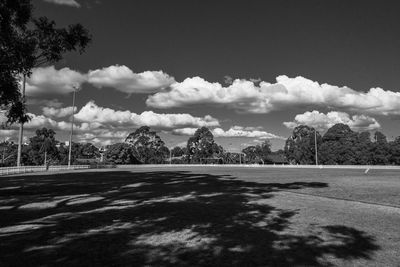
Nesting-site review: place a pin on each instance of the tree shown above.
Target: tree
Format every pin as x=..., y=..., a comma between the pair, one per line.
x=395, y=151
x=41, y=146
x=79, y=152
x=148, y=146
x=177, y=151
x=380, y=150
x=339, y=145
x=300, y=146
x=8, y=154
x=120, y=153
x=258, y=153
x=202, y=146
x=363, y=149
x=15, y=55
x=23, y=48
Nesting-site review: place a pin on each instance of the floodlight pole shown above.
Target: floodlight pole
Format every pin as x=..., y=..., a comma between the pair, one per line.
x=72, y=128
x=21, y=127
x=316, y=147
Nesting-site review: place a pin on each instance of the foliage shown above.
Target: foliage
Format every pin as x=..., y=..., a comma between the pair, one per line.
x=339, y=146
x=8, y=154
x=202, y=146
x=395, y=151
x=23, y=48
x=148, y=146
x=380, y=150
x=42, y=145
x=79, y=152
x=258, y=153
x=300, y=146
x=120, y=153
x=177, y=151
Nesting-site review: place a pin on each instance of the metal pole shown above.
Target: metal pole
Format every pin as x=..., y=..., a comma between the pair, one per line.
x=316, y=148
x=72, y=129
x=21, y=127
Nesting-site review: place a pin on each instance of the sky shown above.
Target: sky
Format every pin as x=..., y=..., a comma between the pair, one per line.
x=249, y=70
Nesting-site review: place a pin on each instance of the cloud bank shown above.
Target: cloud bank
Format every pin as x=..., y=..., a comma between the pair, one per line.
x=246, y=96
x=323, y=121
x=235, y=131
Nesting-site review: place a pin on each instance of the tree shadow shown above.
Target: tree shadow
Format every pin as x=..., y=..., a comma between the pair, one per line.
x=162, y=218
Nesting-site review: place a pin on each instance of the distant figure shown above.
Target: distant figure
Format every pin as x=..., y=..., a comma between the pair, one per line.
x=366, y=171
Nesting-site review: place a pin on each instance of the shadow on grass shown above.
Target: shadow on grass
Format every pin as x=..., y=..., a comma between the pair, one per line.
x=177, y=218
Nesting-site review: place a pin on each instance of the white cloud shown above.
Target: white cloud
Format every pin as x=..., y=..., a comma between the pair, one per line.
x=125, y=80
x=49, y=81
x=323, y=121
x=57, y=112
x=93, y=113
x=72, y=3
x=245, y=96
x=235, y=131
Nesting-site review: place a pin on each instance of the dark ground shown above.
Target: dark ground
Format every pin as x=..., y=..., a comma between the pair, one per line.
x=171, y=217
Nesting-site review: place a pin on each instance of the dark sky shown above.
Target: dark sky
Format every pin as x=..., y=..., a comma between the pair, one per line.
x=352, y=43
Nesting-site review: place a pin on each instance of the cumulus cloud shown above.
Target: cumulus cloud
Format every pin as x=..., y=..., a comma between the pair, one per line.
x=72, y=3
x=57, y=112
x=247, y=96
x=125, y=80
x=93, y=113
x=49, y=81
x=323, y=121
x=235, y=131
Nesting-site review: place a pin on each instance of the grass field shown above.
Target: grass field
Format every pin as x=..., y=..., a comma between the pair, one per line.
x=201, y=216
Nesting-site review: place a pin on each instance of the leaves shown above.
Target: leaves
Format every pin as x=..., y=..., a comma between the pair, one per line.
x=23, y=48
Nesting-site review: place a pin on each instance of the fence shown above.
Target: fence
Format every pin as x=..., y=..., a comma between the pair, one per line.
x=29, y=169
x=285, y=166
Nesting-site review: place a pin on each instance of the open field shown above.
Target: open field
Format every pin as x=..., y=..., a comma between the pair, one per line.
x=201, y=216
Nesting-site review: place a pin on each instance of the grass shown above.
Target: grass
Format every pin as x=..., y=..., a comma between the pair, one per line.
x=201, y=217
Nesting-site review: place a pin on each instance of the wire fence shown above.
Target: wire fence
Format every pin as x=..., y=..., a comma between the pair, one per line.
x=30, y=169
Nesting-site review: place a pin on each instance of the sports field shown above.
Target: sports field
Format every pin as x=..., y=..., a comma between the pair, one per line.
x=201, y=216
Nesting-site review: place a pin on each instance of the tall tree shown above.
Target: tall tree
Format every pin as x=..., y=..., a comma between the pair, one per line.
x=26, y=43
x=300, y=146
x=16, y=56
x=363, y=148
x=395, y=151
x=380, y=150
x=148, y=146
x=202, y=146
x=339, y=145
x=120, y=153
x=41, y=146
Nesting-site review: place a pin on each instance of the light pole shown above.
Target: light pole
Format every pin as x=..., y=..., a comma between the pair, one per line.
x=72, y=126
x=316, y=147
x=21, y=126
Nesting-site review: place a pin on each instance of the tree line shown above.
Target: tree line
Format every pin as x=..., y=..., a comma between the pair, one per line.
x=338, y=146
x=341, y=146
